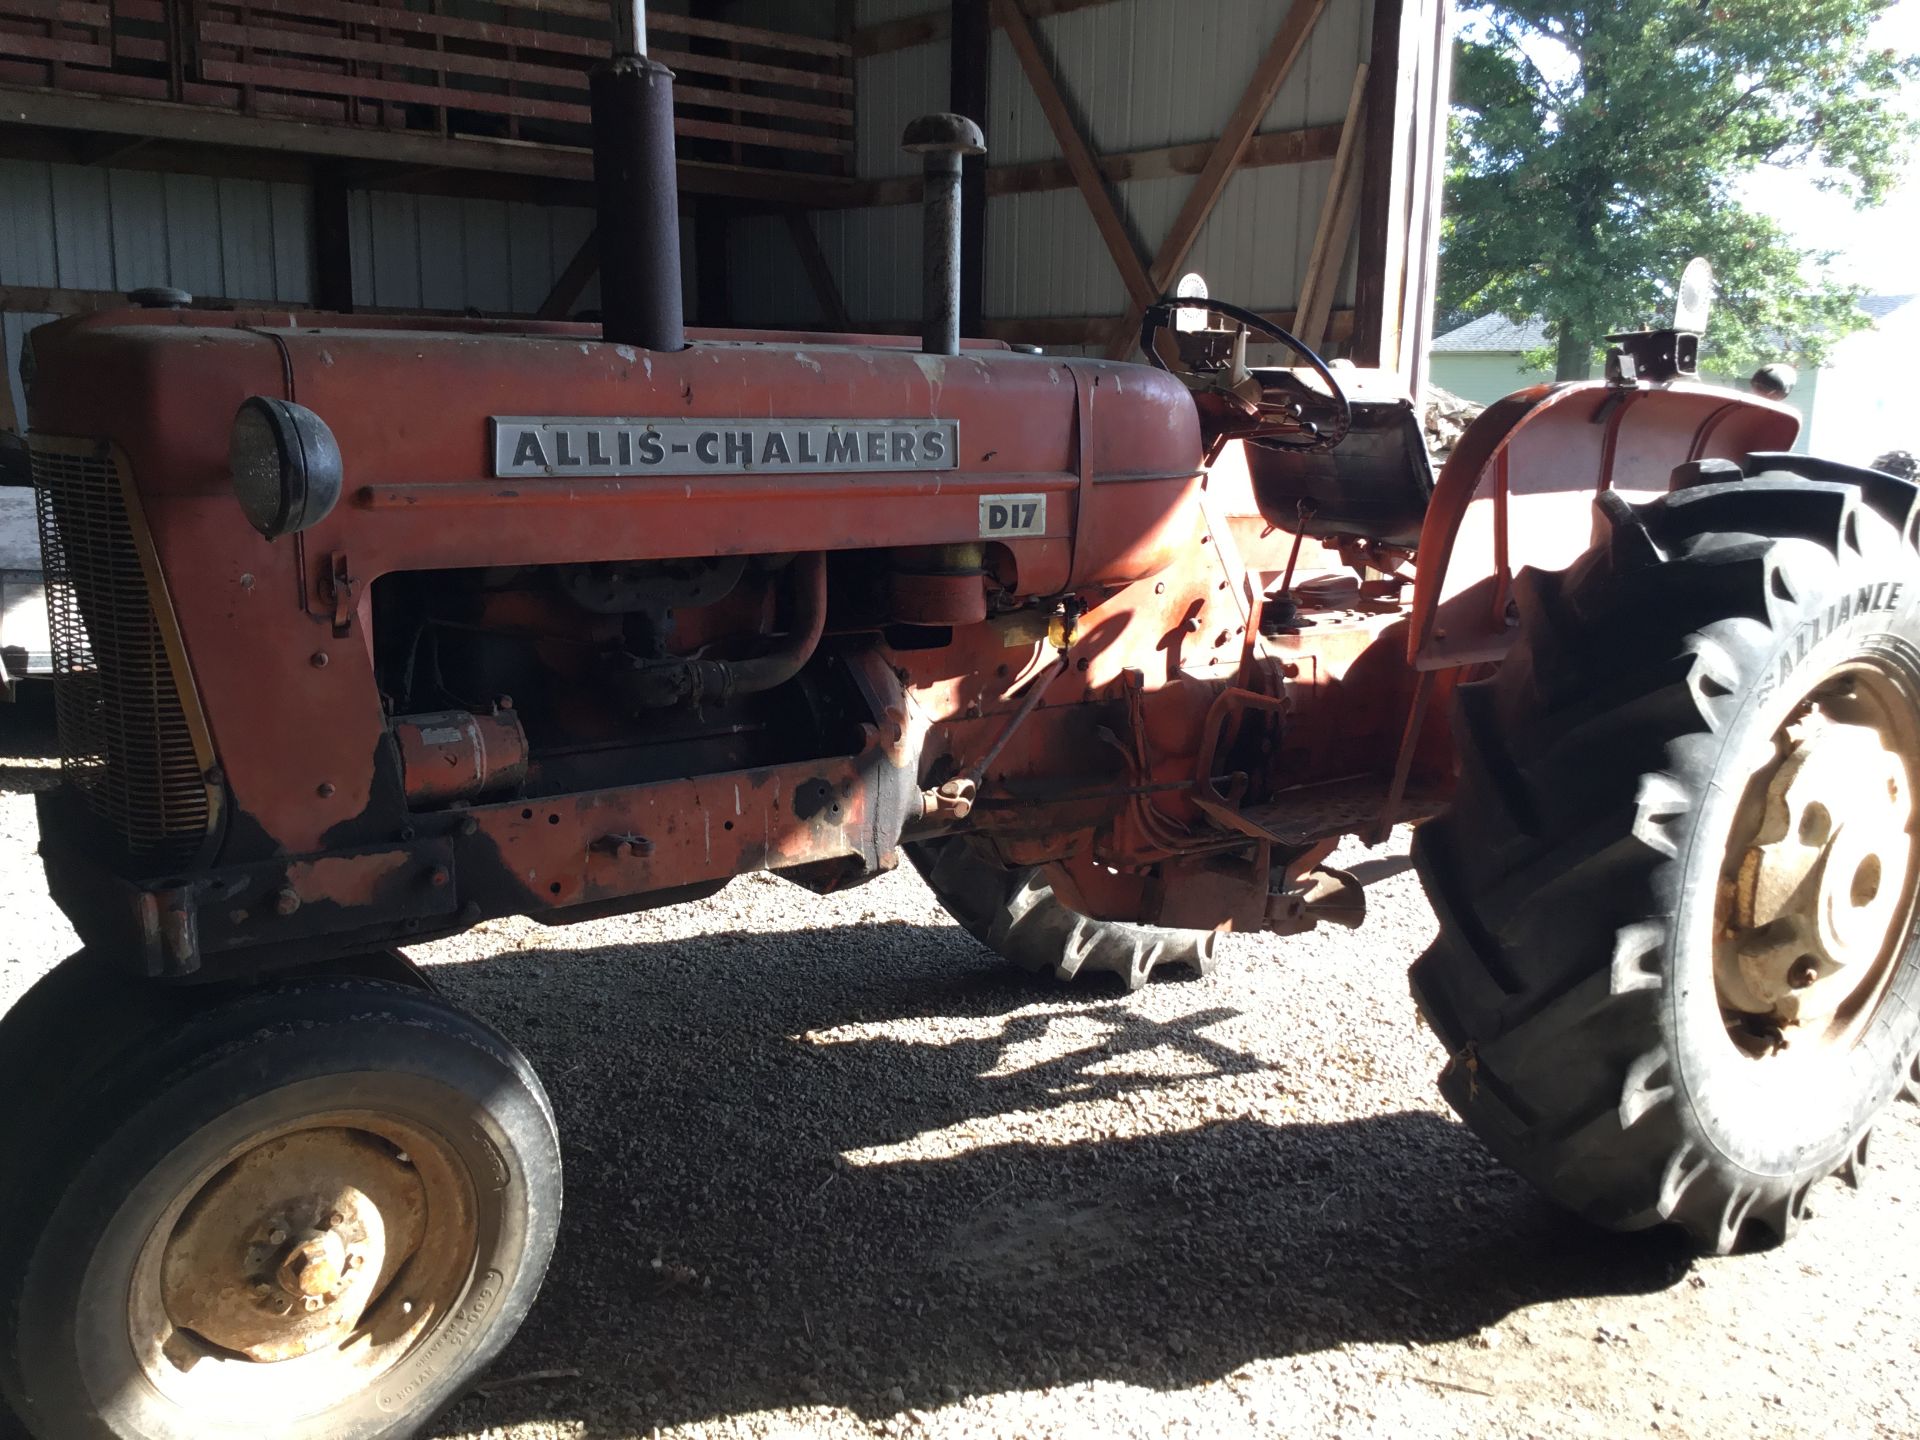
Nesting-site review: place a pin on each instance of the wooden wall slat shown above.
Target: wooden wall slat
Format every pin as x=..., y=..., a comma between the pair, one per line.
x=399, y=69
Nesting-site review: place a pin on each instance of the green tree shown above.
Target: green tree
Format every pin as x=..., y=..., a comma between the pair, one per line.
x=1597, y=143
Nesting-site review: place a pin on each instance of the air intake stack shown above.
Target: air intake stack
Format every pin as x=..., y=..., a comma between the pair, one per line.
x=636, y=186
x=941, y=142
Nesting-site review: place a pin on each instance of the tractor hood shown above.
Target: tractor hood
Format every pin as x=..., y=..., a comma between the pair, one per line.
x=529, y=443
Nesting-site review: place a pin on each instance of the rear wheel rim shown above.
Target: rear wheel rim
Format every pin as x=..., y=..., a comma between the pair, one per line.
x=1815, y=908
x=315, y=1256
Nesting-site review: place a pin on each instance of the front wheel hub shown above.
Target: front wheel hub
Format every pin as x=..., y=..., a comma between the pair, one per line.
x=1821, y=876
x=282, y=1253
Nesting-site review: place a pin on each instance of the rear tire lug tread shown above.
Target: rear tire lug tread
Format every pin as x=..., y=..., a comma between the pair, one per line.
x=1732, y=540
x=1013, y=912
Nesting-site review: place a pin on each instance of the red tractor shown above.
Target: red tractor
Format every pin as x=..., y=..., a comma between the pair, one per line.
x=369, y=629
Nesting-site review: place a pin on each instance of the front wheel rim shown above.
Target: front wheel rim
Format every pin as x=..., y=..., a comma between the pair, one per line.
x=1815, y=908
x=305, y=1263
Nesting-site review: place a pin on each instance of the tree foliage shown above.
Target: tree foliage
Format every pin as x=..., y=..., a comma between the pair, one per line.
x=1597, y=145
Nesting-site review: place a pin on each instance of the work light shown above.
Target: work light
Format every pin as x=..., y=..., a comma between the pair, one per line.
x=286, y=466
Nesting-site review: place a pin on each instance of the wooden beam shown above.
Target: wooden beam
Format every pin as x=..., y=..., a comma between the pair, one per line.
x=573, y=281
x=57, y=300
x=1277, y=147
x=902, y=34
x=1343, y=202
x=1423, y=263
x=1094, y=329
x=108, y=149
x=969, y=63
x=819, y=273
x=1328, y=256
x=165, y=121
x=1268, y=76
x=931, y=25
x=1072, y=330
x=50, y=300
x=1074, y=147
x=1038, y=330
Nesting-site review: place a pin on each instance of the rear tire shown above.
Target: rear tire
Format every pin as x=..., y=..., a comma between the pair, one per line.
x=1589, y=877
x=347, y=1171
x=1013, y=911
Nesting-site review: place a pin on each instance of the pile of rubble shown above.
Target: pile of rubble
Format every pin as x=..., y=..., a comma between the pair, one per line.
x=1445, y=417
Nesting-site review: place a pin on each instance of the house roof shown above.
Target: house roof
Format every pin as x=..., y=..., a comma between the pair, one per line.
x=1880, y=307
x=1493, y=334
x=1497, y=335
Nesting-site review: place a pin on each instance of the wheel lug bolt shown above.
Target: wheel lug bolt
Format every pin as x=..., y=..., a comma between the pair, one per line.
x=276, y=1236
x=1803, y=974
x=335, y=1220
x=356, y=1262
x=314, y=1302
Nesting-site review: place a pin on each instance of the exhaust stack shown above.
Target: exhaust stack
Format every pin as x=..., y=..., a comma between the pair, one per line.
x=636, y=185
x=941, y=141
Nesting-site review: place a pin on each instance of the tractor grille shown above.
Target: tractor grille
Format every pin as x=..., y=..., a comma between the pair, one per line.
x=125, y=745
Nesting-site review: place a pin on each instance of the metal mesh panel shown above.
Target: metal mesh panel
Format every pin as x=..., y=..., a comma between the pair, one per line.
x=125, y=745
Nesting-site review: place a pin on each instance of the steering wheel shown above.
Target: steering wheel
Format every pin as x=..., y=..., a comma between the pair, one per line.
x=1160, y=314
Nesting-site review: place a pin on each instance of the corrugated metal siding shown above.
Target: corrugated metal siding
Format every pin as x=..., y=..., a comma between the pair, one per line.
x=874, y=255
x=76, y=227
x=1144, y=74
x=436, y=252
x=1152, y=73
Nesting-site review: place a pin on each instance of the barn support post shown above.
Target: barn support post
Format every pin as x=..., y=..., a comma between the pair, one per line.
x=1383, y=240
x=332, y=240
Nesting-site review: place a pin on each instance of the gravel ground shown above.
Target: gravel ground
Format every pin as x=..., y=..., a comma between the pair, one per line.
x=833, y=1172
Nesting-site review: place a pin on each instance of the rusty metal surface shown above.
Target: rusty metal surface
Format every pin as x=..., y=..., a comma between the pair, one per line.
x=1336, y=807
x=1517, y=488
x=419, y=497
x=283, y=1252
x=457, y=755
x=351, y=828
x=932, y=597
x=303, y=1264
x=1820, y=879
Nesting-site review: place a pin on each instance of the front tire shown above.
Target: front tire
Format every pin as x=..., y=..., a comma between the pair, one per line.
x=306, y=1211
x=1677, y=970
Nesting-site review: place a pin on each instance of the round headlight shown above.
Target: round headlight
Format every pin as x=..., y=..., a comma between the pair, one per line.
x=286, y=466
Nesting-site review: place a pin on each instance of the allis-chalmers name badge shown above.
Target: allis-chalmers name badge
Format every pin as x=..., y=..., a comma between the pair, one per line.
x=526, y=445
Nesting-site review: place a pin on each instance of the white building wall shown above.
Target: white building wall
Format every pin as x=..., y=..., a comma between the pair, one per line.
x=1863, y=405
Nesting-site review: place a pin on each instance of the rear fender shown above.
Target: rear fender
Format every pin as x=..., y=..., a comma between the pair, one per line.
x=1520, y=484
x=1518, y=489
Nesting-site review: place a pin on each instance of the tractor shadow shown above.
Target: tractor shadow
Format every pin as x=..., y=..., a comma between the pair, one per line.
x=29, y=747
x=780, y=1194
